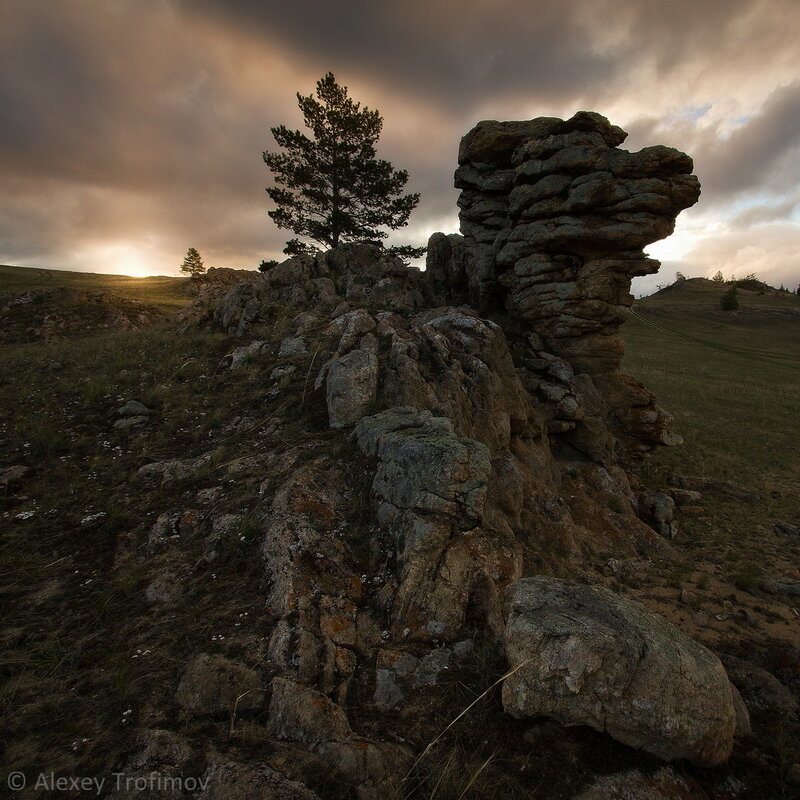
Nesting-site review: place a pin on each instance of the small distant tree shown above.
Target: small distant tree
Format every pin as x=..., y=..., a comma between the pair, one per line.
x=264, y=266
x=330, y=187
x=719, y=277
x=729, y=301
x=679, y=276
x=193, y=264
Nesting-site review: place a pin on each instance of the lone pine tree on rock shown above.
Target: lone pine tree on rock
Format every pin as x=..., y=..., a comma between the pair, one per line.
x=193, y=264
x=330, y=187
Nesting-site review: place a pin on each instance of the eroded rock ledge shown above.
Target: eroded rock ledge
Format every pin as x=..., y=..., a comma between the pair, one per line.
x=488, y=428
x=554, y=216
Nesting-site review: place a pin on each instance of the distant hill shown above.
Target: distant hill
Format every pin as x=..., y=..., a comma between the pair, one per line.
x=47, y=304
x=701, y=295
x=157, y=290
x=767, y=320
x=731, y=378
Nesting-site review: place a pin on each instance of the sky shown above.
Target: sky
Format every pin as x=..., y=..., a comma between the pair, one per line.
x=131, y=130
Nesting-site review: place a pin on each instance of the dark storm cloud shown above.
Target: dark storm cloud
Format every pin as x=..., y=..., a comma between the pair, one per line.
x=763, y=153
x=144, y=120
x=762, y=214
x=454, y=53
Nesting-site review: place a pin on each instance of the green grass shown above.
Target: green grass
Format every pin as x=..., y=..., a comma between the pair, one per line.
x=164, y=292
x=731, y=379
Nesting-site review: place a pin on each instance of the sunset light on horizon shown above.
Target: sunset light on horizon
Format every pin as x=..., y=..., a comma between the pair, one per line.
x=132, y=131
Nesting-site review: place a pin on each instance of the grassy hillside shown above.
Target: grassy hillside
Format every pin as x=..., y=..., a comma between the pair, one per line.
x=90, y=656
x=163, y=292
x=731, y=378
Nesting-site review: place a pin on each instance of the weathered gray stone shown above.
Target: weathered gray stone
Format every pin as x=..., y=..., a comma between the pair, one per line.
x=586, y=656
x=162, y=747
x=133, y=408
x=207, y=497
x=130, y=422
x=785, y=586
x=292, y=346
x=163, y=590
x=376, y=768
x=423, y=465
x=658, y=509
x=250, y=782
x=178, y=469
x=763, y=694
x=664, y=784
x=300, y=714
x=241, y=355
x=213, y=684
x=352, y=382
x=431, y=486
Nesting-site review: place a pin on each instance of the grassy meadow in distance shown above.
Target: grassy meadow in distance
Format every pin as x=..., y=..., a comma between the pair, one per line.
x=730, y=378
x=82, y=647
x=163, y=292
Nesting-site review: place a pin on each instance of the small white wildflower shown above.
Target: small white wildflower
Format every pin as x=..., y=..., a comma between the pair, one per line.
x=93, y=518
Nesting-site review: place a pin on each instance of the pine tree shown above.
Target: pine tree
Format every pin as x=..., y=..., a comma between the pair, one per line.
x=330, y=187
x=193, y=264
x=729, y=301
x=719, y=277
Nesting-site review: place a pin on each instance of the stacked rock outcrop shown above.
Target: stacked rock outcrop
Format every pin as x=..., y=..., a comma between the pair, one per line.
x=554, y=217
x=486, y=425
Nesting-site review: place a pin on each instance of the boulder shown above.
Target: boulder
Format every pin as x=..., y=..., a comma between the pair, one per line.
x=130, y=422
x=241, y=355
x=763, y=694
x=351, y=386
x=658, y=509
x=292, y=346
x=583, y=655
x=133, y=408
x=663, y=784
x=305, y=715
x=174, y=470
x=213, y=684
x=250, y=782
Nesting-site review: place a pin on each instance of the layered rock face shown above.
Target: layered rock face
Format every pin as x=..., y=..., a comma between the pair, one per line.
x=450, y=451
x=554, y=217
x=586, y=656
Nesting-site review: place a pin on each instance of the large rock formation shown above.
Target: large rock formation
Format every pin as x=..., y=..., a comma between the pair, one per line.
x=478, y=442
x=585, y=656
x=554, y=217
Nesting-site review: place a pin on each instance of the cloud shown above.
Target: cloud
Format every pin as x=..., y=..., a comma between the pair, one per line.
x=771, y=251
x=763, y=213
x=142, y=124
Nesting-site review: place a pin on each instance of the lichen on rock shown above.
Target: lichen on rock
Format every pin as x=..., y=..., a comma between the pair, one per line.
x=466, y=428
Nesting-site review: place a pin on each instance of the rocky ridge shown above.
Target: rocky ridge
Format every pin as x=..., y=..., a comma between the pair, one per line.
x=435, y=488
x=486, y=405
x=50, y=315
